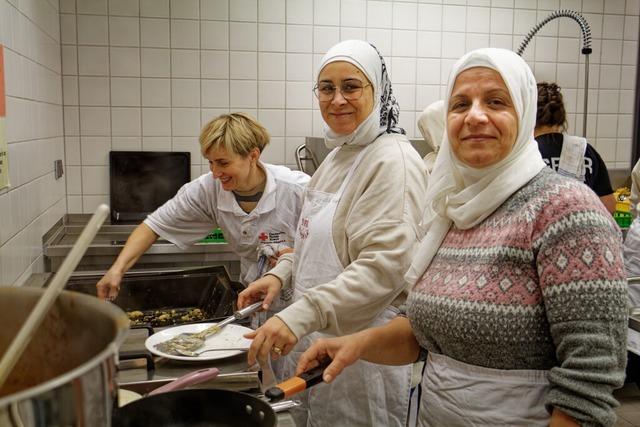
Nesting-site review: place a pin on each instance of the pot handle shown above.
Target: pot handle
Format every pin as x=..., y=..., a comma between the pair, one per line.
x=192, y=378
x=297, y=384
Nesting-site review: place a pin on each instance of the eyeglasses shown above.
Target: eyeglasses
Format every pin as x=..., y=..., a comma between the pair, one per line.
x=351, y=90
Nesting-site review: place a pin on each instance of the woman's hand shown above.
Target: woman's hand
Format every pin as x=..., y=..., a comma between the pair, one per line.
x=109, y=286
x=344, y=351
x=273, y=338
x=561, y=419
x=267, y=287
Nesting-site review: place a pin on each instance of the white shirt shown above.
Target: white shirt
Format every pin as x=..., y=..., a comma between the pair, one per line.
x=202, y=205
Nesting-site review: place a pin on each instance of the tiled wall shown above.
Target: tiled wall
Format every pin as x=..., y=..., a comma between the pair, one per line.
x=146, y=74
x=30, y=33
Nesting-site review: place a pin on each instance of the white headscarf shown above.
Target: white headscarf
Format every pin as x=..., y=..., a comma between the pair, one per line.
x=463, y=195
x=431, y=124
x=384, y=117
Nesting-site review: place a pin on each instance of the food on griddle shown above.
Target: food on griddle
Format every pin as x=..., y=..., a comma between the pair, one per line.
x=165, y=317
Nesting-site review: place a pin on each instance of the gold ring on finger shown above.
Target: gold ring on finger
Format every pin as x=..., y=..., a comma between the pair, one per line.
x=277, y=350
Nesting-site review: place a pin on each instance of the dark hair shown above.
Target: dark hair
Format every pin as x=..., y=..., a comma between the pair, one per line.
x=551, y=110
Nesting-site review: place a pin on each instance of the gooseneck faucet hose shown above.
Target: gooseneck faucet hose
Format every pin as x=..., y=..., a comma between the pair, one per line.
x=586, y=48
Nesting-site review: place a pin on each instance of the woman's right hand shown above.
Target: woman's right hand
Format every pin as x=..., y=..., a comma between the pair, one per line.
x=267, y=287
x=344, y=351
x=109, y=286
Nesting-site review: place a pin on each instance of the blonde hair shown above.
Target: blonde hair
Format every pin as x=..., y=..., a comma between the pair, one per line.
x=236, y=132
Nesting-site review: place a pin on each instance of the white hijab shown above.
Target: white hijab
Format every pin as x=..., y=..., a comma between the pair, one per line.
x=465, y=196
x=431, y=124
x=385, y=113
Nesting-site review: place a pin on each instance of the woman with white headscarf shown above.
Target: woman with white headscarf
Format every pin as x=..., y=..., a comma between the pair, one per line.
x=431, y=124
x=519, y=291
x=357, y=230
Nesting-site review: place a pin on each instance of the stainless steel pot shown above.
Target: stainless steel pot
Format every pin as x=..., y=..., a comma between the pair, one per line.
x=66, y=377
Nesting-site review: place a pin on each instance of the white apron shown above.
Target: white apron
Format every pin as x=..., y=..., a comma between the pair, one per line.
x=365, y=394
x=456, y=394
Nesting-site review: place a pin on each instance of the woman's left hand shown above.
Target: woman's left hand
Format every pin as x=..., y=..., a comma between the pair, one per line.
x=273, y=338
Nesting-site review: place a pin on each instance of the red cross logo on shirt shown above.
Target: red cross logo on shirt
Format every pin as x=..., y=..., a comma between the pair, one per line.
x=263, y=236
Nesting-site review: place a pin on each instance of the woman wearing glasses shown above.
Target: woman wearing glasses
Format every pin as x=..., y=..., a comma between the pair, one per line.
x=356, y=233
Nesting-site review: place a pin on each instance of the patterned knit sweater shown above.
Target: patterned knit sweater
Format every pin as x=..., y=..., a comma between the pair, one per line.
x=539, y=284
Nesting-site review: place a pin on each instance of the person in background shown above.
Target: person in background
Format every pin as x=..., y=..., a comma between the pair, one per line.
x=431, y=125
x=256, y=204
x=635, y=188
x=358, y=228
x=568, y=154
x=519, y=291
x=632, y=240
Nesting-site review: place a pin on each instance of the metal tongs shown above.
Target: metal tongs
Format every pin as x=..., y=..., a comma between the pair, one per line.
x=185, y=344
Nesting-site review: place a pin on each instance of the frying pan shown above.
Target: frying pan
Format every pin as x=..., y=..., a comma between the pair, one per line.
x=212, y=408
x=196, y=408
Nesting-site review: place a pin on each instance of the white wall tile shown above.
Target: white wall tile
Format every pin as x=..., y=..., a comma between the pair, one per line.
x=185, y=121
x=185, y=34
x=95, y=180
x=298, y=122
x=271, y=94
x=156, y=92
x=243, y=65
x=430, y=17
x=611, y=52
x=546, y=49
x=74, y=179
x=614, y=6
x=299, y=38
x=93, y=30
x=98, y=7
x=126, y=143
x=154, y=32
x=476, y=41
x=155, y=62
x=124, y=31
x=633, y=7
x=592, y=6
x=629, y=53
x=478, y=19
x=95, y=121
x=125, y=61
x=631, y=28
x=569, y=50
x=185, y=92
x=214, y=64
x=404, y=43
x=567, y=75
x=69, y=60
x=352, y=33
x=185, y=63
x=185, y=9
x=156, y=143
x=243, y=94
x=156, y=121
x=273, y=120
x=299, y=67
x=405, y=16
x=125, y=91
x=155, y=8
x=272, y=11
x=94, y=90
x=93, y=61
x=214, y=9
x=379, y=14
x=214, y=35
x=243, y=10
x=271, y=66
x=243, y=36
x=272, y=37
x=125, y=121
x=612, y=26
x=124, y=7
x=453, y=18
x=95, y=151
x=502, y=21
x=453, y=45
x=299, y=95
x=325, y=37
x=353, y=13
x=428, y=71
x=70, y=90
x=71, y=117
x=72, y=150
x=299, y=11
x=68, y=29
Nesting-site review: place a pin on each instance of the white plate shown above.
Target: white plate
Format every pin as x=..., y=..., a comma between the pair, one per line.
x=231, y=336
